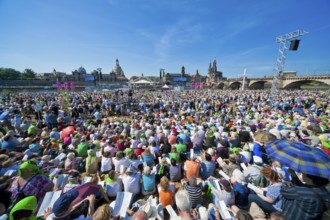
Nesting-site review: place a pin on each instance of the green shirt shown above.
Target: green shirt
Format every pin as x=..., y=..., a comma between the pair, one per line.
x=82, y=149
x=175, y=156
x=181, y=148
x=32, y=130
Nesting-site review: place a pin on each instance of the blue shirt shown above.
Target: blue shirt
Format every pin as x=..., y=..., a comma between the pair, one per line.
x=149, y=159
x=273, y=192
x=257, y=150
x=241, y=195
x=149, y=182
x=207, y=169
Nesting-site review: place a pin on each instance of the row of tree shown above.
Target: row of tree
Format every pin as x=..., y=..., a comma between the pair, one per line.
x=11, y=74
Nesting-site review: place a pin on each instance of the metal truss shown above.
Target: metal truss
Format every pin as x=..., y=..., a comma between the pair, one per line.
x=281, y=57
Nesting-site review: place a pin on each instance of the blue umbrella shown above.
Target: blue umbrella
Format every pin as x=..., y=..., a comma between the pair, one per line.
x=300, y=157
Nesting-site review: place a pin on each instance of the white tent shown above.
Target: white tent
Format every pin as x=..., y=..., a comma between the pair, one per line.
x=165, y=87
x=142, y=81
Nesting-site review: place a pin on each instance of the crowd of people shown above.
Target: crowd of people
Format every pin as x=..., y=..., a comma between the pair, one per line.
x=179, y=154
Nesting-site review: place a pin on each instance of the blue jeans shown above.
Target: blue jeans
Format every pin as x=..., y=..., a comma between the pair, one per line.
x=267, y=207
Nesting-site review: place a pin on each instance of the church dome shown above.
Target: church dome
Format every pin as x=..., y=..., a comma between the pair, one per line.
x=82, y=70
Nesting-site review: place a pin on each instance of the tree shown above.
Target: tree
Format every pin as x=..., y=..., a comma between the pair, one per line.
x=9, y=73
x=28, y=74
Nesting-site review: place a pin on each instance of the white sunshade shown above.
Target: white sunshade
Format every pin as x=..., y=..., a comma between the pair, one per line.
x=143, y=81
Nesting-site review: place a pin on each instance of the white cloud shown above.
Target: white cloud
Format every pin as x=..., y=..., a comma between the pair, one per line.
x=180, y=34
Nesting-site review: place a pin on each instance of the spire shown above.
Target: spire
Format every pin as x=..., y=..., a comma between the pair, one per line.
x=215, y=65
x=183, y=71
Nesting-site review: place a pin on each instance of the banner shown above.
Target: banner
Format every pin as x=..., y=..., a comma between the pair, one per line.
x=201, y=85
x=192, y=85
x=59, y=86
x=72, y=85
x=66, y=85
x=196, y=85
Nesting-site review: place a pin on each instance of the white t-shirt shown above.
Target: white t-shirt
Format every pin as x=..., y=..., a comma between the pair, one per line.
x=113, y=188
x=132, y=183
x=125, y=162
x=105, y=164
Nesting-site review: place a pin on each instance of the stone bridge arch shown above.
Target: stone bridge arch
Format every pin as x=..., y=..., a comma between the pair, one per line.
x=235, y=85
x=296, y=84
x=221, y=85
x=256, y=85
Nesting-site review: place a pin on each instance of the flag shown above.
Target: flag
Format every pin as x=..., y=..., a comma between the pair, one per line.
x=59, y=85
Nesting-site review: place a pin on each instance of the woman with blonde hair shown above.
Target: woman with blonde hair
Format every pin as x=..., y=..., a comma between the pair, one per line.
x=271, y=201
x=102, y=213
x=165, y=194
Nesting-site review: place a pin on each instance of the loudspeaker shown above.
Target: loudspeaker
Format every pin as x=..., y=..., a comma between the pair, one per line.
x=294, y=44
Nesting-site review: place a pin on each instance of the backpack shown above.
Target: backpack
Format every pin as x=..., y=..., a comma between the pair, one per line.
x=19, y=196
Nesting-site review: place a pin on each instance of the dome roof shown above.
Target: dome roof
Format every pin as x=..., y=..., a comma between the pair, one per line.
x=82, y=70
x=117, y=69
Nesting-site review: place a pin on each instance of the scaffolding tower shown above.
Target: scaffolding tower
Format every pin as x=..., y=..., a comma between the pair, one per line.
x=280, y=62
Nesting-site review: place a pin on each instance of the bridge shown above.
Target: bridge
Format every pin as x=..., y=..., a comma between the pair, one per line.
x=286, y=82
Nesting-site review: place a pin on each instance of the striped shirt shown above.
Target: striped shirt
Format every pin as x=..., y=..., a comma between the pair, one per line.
x=195, y=193
x=303, y=202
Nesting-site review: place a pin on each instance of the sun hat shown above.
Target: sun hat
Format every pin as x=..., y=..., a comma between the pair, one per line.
x=211, y=151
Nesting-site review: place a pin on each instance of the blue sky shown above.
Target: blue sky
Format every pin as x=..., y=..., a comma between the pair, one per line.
x=146, y=35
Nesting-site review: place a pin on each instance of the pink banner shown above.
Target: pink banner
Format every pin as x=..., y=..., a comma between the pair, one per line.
x=201, y=85
x=196, y=85
x=72, y=85
x=192, y=85
x=59, y=85
x=66, y=85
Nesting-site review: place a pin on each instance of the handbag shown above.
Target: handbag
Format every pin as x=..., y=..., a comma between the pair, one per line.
x=19, y=196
